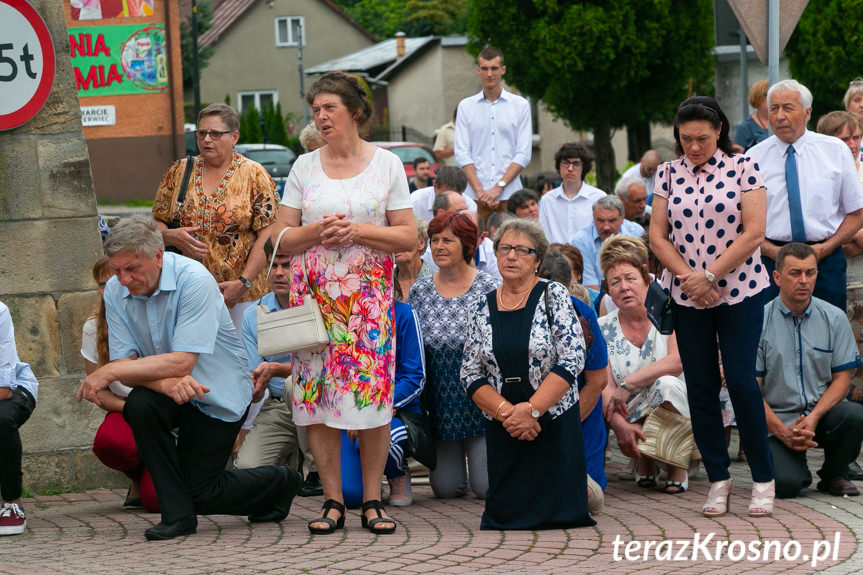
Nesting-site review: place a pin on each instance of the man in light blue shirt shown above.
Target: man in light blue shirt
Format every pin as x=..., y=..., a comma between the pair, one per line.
x=493, y=137
x=18, y=389
x=608, y=220
x=171, y=338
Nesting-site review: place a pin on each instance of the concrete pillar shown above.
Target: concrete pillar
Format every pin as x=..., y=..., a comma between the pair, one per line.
x=49, y=241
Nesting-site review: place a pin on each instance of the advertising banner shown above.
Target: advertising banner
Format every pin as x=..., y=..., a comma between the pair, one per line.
x=115, y=60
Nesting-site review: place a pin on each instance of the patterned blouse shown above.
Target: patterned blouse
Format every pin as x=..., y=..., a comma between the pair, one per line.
x=704, y=217
x=558, y=348
x=444, y=327
x=245, y=201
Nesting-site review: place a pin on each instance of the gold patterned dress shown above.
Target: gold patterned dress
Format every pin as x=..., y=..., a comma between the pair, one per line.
x=245, y=201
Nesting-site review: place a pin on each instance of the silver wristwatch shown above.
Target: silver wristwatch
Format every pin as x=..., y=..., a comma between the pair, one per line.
x=710, y=277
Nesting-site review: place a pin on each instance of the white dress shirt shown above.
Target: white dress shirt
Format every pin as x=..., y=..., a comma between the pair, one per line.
x=423, y=200
x=635, y=172
x=829, y=189
x=491, y=136
x=562, y=217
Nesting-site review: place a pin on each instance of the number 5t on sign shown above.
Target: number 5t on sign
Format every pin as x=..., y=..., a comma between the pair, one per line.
x=26, y=63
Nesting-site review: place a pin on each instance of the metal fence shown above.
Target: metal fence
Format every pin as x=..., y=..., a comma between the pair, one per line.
x=404, y=134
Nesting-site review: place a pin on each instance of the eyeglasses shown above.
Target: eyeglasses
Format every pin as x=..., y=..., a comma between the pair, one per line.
x=856, y=82
x=215, y=135
x=521, y=251
x=570, y=164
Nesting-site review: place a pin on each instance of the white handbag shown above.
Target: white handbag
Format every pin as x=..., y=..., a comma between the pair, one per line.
x=299, y=328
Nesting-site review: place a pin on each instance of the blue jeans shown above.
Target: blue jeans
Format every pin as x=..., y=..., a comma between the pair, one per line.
x=738, y=328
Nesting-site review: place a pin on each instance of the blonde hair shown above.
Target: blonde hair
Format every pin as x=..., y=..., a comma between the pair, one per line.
x=758, y=93
x=622, y=249
x=580, y=292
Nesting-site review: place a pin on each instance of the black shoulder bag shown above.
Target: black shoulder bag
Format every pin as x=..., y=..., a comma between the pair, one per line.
x=181, y=199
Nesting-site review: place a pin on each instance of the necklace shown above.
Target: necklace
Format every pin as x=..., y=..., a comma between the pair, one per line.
x=519, y=304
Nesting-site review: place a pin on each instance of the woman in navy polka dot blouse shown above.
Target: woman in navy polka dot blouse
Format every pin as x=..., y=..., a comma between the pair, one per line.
x=708, y=222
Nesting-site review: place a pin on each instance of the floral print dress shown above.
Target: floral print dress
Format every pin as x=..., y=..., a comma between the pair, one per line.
x=350, y=384
x=245, y=201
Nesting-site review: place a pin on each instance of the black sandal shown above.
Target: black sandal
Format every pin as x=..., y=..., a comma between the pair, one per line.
x=371, y=523
x=331, y=525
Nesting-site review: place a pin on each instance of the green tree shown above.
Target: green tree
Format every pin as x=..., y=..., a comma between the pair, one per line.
x=601, y=64
x=825, y=51
x=204, y=20
x=250, y=126
x=383, y=18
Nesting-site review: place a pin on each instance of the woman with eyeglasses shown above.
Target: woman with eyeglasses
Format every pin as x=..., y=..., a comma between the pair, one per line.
x=230, y=203
x=853, y=101
x=442, y=302
x=709, y=216
x=522, y=357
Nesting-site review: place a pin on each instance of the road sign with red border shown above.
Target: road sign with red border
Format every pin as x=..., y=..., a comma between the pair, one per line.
x=27, y=63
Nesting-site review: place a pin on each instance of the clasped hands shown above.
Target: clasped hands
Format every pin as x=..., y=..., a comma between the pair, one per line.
x=519, y=423
x=696, y=287
x=799, y=436
x=337, y=231
x=490, y=196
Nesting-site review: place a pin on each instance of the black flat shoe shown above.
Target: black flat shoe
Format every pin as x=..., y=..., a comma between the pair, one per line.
x=165, y=531
x=331, y=525
x=380, y=519
x=283, y=506
x=312, y=486
x=854, y=473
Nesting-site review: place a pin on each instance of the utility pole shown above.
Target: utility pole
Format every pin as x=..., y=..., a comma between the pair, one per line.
x=196, y=73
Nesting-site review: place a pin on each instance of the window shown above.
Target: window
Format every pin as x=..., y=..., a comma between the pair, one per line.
x=289, y=29
x=258, y=99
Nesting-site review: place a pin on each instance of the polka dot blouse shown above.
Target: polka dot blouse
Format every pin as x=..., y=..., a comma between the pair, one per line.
x=704, y=219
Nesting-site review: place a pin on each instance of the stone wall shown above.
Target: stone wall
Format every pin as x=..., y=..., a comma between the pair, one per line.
x=49, y=241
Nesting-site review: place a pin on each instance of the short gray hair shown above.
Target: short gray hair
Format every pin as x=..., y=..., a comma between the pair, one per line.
x=608, y=203
x=441, y=202
x=309, y=135
x=793, y=86
x=527, y=227
x=451, y=177
x=622, y=187
x=422, y=231
x=139, y=234
x=555, y=267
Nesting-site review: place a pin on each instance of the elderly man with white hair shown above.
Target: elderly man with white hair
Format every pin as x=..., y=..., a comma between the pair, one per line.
x=633, y=193
x=813, y=195
x=645, y=170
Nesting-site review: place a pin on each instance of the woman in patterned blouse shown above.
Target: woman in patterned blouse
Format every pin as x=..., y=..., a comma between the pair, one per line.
x=709, y=216
x=230, y=203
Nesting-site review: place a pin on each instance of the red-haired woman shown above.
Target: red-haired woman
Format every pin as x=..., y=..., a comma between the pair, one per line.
x=442, y=302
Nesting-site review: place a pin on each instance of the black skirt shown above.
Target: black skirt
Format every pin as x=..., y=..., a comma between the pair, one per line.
x=539, y=484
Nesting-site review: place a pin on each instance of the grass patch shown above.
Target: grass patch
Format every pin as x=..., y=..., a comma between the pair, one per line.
x=128, y=203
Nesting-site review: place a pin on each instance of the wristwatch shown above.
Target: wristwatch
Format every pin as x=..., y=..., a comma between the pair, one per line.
x=501, y=184
x=710, y=277
x=246, y=283
x=534, y=412
x=624, y=386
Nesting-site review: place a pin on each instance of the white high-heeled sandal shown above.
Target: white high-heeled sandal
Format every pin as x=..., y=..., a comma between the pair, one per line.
x=718, y=500
x=763, y=494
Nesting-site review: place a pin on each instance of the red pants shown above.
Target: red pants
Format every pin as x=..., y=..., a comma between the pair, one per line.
x=115, y=446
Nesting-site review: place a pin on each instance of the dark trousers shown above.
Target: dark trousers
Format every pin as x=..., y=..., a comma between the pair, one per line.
x=14, y=412
x=831, y=283
x=738, y=328
x=839, y=432
x=189, y=475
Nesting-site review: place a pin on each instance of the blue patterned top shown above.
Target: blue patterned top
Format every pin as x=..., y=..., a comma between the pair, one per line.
x=444, y=327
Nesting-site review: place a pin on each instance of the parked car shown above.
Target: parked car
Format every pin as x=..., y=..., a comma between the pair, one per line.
x=277, y=160
x=408, y=152
x=190, y=139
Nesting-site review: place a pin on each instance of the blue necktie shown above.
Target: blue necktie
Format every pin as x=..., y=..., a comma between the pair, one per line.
x=792, y=183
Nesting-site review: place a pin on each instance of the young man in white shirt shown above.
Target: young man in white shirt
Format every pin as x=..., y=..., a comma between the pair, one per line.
x=493, y=137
